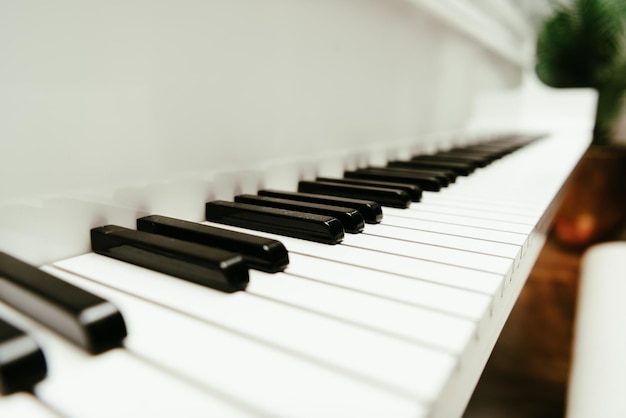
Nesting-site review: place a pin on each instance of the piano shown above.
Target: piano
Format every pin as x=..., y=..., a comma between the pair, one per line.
x=116, y=110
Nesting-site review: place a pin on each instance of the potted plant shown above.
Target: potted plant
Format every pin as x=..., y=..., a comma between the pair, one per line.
x=583, y=44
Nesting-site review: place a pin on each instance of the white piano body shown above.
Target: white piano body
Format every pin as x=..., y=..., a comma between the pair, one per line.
x=113, y=110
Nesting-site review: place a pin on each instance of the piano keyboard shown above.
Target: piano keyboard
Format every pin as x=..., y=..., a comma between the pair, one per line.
x=396, y=321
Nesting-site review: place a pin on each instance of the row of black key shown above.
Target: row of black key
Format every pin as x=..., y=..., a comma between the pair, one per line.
x=396, y=185
x=320, y=210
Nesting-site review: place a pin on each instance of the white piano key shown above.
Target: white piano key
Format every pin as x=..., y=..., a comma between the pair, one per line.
x=269, y=380
x=414, y=212
x=409, y=369
x=114, y=383
x=484, y=213
x=24, y=405
x=478, y=281
x=442, y=331
x=480, y=202
x=460, y=302
x=452, y=256
x=445, y=240
x=513, y=238
x=485, y=200
x=474, y=189
x=436, y=329
x=525, y=177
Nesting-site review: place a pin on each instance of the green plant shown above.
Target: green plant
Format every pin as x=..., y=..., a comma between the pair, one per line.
x=583, y=44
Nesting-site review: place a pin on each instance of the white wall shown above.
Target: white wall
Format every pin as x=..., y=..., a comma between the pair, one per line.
x=97, y=92
x=136, y=93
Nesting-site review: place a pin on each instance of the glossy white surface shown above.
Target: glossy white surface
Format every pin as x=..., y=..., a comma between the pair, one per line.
x=241, y=367
x=598, y=366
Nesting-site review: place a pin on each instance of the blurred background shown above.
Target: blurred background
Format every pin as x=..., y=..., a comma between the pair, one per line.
x=580, y=43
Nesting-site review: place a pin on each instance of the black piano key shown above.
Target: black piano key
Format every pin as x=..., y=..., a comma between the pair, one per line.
x=413, y=191
x=472, y=153
x=494, y=149
x=459, y=168
x=486, y=154
x=260, y=253
x=490, y=148
x=442, y=178
x=386, y=197
x=308, y=226
x=351, y=219
x=409, y=174
x=424, y=182
x=22, y=363
x=514, y=141
x=86, y=319
x=443, y=159
x=498, y=147
x=479, y=160
x=211, y=267
x=449, y=175
x=492, y=153
x=371, y=211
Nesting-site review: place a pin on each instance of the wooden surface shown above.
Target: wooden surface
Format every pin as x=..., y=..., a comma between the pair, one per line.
x=526, y=375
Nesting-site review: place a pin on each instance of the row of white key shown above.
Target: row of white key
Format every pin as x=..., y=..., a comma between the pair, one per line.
x=248, y=316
